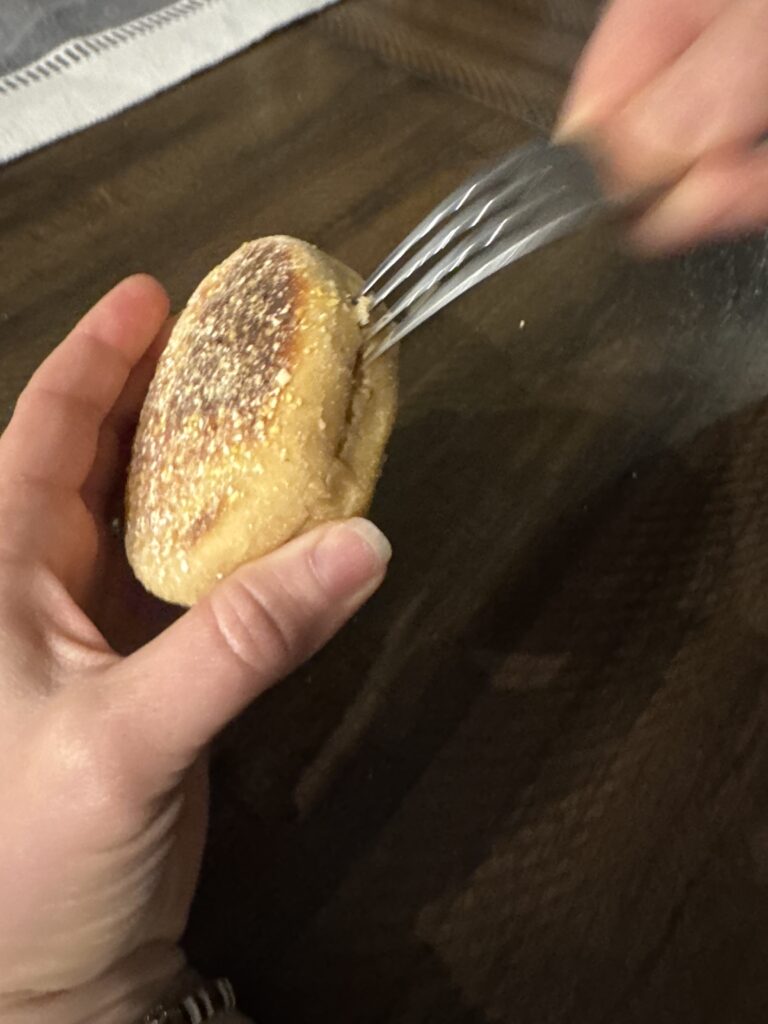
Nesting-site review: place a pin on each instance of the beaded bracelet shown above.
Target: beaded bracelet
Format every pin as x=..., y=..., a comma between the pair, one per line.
x=205, y=1003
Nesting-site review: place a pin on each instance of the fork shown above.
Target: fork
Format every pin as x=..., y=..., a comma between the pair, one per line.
x=536, y=194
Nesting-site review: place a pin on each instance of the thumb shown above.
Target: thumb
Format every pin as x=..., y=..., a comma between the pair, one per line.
x=254, y=628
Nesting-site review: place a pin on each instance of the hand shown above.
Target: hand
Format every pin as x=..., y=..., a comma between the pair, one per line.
x=677, y=90
x=103, y=788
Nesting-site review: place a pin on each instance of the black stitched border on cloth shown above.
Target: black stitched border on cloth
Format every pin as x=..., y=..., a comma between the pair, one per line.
x=39, y=45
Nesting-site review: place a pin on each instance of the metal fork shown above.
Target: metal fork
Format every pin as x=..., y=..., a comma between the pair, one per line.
x=534, y=195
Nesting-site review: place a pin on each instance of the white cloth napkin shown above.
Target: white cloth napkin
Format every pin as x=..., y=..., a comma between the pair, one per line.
x=91, y=77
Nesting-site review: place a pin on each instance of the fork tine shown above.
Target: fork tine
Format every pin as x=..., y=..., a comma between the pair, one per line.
x=505, y=221
x=505, y=250
x=487, y=223
x=455, y=201
x=472, y=215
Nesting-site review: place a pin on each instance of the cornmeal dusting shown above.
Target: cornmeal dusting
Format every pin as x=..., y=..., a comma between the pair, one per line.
x=262, y=420
x=224, y=371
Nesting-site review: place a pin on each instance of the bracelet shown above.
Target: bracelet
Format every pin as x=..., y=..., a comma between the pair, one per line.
x=205, y=1003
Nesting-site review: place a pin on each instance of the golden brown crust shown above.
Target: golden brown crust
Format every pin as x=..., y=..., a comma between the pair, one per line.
x=219, y=378
x=260, y=421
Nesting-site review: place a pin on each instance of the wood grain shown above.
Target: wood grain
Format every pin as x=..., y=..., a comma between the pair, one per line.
x=530, y=782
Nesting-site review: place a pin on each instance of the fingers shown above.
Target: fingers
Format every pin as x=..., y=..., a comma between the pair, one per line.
x=52, y=439
x=712, y=98
x=635, y=41
x=117, y=430
x=125, y=412
x=173, y=696
x=720, y=197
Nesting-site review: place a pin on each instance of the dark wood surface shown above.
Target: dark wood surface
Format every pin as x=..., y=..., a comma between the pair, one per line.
x=530, y=782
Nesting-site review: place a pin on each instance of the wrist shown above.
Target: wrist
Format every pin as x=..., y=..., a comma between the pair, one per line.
x=122, y=995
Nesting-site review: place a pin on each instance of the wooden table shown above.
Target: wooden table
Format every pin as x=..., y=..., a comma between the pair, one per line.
x=530, y=782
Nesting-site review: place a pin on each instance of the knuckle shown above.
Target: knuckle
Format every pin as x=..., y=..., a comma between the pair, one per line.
x=259, y=625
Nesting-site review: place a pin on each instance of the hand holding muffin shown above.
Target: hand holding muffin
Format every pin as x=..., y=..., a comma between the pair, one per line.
x=104, y=811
